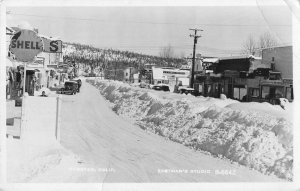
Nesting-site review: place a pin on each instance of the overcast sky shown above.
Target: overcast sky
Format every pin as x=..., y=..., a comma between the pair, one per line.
x=147, y=29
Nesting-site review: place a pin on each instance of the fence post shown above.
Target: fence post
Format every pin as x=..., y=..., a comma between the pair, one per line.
x=58, y=116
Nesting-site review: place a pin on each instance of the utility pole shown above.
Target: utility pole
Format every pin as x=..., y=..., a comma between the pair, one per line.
x=194, y=50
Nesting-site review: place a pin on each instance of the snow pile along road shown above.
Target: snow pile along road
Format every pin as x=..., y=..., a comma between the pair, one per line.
x=256, y=137
x=28, y=162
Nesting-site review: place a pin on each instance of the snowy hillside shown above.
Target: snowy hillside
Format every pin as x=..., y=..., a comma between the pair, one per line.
x=86, y=54
x=95, y=59
x=257, y=135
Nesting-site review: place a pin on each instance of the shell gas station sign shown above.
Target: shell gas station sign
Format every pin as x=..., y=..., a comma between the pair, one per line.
x=52, y=46
x=25, y=45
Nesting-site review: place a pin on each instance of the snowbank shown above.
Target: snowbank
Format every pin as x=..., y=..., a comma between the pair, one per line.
x=266, y=108
x=257, y=135
x=27, y=162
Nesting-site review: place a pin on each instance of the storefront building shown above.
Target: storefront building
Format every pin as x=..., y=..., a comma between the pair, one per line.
x=41, y=72
x=171, y=76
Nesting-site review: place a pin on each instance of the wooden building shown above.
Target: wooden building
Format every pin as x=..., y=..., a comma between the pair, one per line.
x=249, y=78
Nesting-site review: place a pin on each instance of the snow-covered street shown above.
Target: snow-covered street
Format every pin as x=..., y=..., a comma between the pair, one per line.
x=97, y=145
x=112, y=149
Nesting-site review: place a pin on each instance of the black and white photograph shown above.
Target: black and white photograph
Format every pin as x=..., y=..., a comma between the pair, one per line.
x=149, y=94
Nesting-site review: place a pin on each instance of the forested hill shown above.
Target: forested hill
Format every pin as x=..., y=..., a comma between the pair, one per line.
x=110, y=58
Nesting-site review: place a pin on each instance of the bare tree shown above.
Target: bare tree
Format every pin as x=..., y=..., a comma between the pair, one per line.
x=166, y=52
x=267, y=40
x=249, y=46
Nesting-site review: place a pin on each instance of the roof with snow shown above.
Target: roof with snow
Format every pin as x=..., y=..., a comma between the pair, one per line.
x=213, y=60
x=277, y=47
x=240, y=57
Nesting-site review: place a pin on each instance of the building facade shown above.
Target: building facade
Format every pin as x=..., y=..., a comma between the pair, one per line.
x=279, y=81
x=171, y=76
x=249, y=78
x=39, y=73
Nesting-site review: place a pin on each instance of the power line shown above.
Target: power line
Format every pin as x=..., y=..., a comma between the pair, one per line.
x=207, y=50
x=265, y=19
x=154, y=23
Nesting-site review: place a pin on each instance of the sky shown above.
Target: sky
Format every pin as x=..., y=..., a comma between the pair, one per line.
x=147, y=29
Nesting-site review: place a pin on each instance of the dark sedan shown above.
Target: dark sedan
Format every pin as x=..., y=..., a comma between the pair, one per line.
x=161, y=87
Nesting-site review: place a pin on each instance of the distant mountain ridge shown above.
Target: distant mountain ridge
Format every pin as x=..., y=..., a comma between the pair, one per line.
x=90, y=55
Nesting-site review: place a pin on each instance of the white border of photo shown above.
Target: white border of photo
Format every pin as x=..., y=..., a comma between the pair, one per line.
x=153, y=186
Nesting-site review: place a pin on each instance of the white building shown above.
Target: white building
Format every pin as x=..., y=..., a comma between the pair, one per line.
x=279, y=59
x=128, y=74
x=170, y=76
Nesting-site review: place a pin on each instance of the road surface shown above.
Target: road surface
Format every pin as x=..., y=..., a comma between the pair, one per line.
x=104, y=141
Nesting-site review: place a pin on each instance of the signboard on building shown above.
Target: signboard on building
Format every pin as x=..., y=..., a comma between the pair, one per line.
x=25, y=45
x=272, y=82
x=52, y=46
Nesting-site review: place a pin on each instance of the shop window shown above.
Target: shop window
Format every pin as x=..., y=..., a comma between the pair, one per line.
x=209, y=89
x=239, y=93
x=254, y=92
x=243, y=93
x=279, y=92
x=265, y=90
x=200, y=88
x=236, y=93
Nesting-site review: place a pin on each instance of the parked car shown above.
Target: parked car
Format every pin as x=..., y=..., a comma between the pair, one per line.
x=70, y=87
x=79, y=84
x=186, y=90
x=161, y=87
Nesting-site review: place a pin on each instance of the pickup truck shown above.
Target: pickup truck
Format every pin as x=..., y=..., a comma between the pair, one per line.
x=187, y=90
